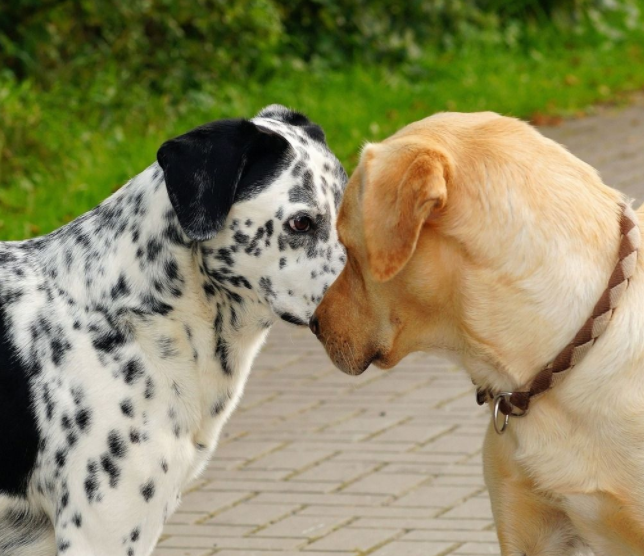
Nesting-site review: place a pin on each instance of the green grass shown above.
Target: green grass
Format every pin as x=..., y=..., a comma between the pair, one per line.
x=70, y=149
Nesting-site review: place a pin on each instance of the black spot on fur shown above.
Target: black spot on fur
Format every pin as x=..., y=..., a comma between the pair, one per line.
x=149, y=389
x=127, y=408
x=91, y=481
x=116, y=445
x=221, y=351
x=132, y=371
x=109, y=341
x=154, y=247
x=60, y=457
x=83, y=419
x=112, y=470
x=147, y=490
x=135, y=436
x=120, y=289
x=217, y=407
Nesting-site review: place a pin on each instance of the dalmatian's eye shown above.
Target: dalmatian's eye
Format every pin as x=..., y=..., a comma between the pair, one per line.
x=300, y=224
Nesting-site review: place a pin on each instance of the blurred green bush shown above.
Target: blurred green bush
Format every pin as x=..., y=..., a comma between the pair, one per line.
x=179, y=44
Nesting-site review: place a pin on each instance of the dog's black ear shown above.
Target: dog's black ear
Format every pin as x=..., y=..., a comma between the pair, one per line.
x=207, y=169
x=288, y=116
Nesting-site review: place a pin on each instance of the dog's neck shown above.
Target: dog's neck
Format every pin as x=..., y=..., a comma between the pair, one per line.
x=129, y=256
x=554, y=296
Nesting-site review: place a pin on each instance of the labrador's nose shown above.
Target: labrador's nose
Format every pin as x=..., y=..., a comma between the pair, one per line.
x=314, y=325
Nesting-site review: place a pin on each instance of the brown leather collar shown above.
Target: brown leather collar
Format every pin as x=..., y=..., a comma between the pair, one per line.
x=516, y=404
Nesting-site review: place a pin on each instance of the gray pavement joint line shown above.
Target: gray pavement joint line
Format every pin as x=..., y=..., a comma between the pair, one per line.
x=368, y=472
x=384, y=543
x=227, y=507
x=427, y=482
x=262, y=401
x=350, y=416
x=309, y=466
x=420, y=445
x=228, y=440
x=286, y=515
x=467, y=458
x=451, y=549
x=346, y=523
x=381, y=431
x=443, y=403
x=271, y=370
x=259, y=456
x=413, y=387
x=461, y=501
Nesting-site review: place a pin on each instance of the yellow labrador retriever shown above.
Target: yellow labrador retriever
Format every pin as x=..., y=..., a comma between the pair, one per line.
x=475, y=236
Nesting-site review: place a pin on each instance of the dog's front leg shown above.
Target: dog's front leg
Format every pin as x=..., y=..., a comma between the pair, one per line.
x=124, y=517
x=527, y=522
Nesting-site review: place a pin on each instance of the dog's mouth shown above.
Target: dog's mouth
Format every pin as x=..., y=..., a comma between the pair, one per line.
x=292, y=319
x=352, y=367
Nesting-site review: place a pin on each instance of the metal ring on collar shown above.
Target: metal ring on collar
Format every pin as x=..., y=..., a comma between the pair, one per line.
x=501, y=428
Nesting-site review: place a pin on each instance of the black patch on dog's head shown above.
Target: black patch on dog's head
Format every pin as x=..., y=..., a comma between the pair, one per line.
x=211, y=167
x=297, y=119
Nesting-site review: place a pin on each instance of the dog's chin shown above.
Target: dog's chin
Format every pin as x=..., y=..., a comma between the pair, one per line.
x=293, y=319
x=384, y=361
x=353, y=367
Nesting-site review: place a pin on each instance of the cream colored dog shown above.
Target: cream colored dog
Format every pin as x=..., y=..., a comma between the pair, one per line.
x=474, y=235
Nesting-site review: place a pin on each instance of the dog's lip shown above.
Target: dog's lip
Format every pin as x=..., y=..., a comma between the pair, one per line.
x=292, y=319
x=357, y=371
x=380, y=361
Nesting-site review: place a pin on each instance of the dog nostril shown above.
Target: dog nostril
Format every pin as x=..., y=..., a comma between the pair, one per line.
x=314, y=325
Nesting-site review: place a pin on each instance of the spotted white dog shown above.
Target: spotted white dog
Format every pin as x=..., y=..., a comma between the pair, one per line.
x=126, y=337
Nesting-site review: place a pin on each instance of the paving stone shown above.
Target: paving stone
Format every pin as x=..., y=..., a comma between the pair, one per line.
x=437, y=496
x=335, y=472
x=474, y=508
x=478, y=549
x=253, y=514
x=354, y=539
x=291, y=460
x=246, y=552
x=381, y=483
x=451, y=535
x=194, y=541
x=160, y=551
x=401, y=548
x=302, y=527
x=202, y=501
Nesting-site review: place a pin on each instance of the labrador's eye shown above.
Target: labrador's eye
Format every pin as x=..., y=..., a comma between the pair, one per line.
x=300, y=224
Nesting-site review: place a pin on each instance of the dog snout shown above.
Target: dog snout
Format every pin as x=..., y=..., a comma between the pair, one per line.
x=314, y=325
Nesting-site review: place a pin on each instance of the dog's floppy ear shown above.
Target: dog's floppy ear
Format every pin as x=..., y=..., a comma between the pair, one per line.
x=402, y=187
x=207, y=169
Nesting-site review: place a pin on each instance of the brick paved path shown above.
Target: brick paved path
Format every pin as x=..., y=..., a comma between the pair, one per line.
x=387, y=464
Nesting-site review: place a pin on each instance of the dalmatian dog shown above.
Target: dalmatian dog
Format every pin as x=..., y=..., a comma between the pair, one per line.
x=126, y=336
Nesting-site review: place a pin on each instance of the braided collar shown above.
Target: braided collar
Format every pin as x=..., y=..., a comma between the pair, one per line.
x=516, y=404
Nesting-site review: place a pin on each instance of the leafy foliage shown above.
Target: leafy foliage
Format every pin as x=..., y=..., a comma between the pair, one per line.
x=179, y=44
